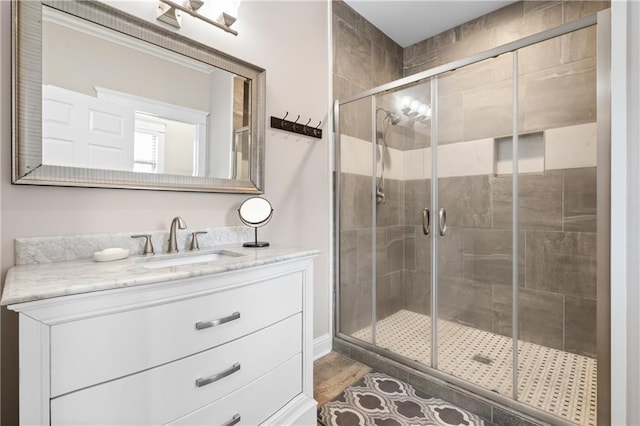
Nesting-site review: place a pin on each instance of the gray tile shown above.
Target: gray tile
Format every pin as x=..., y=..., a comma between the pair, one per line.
x=416, y=292
x=410, y=248
x=352, y=18
x=562, y=262
x=467, y=201
x=533, y=6
x=579, y=45
x=540, y=56
x=559, y=96
x=354, y=55
x=514, y=29
x=418, y=53
x=466, y=78
x=380, y=39
x=386, y=67
x=539, y=201
x=382, y=265
x=355, y=201
x=574, y=10
x=355, y=308
x=348, y=257
x=505, y=418
x=466, y=47
x=466, y=302
x=470, y=28
x=417, y=196
x=505, y=15
x=540, y=316
x=488, y=110
x=365, y=257
x=355, y=118
x=388, y=294
x=450, y=254
x=580, y=199
x=395, y=248
x=390, y=212
x=488, y=256
x=450, y=116
x=580, y=326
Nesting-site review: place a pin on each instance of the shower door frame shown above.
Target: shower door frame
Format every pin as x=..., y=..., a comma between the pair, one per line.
x=602, y=20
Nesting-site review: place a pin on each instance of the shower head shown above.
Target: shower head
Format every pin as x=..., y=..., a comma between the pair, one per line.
x=394, y=118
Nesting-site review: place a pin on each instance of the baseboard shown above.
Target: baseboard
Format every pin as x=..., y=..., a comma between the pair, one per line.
x=321, y=346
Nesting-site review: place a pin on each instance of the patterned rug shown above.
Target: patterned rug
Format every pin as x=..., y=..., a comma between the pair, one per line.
x=380, y=400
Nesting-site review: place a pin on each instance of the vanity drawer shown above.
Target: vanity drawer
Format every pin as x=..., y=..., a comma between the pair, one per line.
x=254, y=403
x=170, y=391
x=103, y=348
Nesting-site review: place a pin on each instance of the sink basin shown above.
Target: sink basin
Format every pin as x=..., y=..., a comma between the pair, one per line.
x=187, y=259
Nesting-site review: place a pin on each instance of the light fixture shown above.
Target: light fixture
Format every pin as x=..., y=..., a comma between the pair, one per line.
x=169, y=13
x=415, y=109
x=405, y=104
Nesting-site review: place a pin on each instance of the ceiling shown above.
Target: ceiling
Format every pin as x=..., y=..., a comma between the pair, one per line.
x=407, y=22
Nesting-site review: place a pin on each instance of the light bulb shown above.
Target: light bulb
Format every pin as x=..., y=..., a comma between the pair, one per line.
x=405, y=104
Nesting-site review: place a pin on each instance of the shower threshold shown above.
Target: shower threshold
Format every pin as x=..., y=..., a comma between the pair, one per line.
x=558, y=382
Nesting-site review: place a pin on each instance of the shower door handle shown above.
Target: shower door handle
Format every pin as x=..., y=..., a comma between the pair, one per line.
x=442, y=222
x=426, y=221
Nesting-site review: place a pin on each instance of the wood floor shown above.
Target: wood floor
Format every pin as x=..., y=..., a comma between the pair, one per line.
x=333, y=373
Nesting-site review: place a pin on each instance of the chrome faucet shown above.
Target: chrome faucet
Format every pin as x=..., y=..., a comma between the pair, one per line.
x=173, y=245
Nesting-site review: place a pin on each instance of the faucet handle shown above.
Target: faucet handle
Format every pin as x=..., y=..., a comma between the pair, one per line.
x=148, y=246
x=194, y=240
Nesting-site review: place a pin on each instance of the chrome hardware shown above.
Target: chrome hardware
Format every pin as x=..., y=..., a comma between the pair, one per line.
x=207, y=381
x=148, y=246
x=234, y=420
x=426, y=221
x=194, y=240
x=173, y=245
x=201, y=325
x=442, y=222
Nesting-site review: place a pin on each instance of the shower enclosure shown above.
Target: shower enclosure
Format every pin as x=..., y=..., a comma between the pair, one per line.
x=472, y=223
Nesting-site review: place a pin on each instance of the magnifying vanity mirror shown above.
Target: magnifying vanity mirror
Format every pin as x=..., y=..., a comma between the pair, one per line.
x=255, y=212
x=106, y=99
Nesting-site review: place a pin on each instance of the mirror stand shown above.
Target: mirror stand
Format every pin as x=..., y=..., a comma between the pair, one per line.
x=255, y=242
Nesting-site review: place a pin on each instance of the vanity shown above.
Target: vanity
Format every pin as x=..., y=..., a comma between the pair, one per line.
x=224, y=342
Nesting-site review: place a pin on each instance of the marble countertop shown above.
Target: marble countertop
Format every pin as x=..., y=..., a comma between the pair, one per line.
x=26, y=283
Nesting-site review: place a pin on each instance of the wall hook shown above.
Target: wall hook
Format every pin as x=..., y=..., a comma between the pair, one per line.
x=295, y=127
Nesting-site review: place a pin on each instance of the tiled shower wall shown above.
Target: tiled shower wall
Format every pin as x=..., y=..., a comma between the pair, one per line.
x=557, y=208
x=557, y=255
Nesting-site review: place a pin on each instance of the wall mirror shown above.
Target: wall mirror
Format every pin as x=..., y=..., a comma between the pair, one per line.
x=105, y=99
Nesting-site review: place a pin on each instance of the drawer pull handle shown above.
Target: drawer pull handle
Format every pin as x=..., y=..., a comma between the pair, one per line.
x=204, y=382
x=201, y=325
x=234, y=420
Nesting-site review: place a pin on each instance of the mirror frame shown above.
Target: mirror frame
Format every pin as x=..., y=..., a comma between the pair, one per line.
x=27, y=167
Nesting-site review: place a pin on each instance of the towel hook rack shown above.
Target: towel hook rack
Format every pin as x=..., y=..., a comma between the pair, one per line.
x=293, y=126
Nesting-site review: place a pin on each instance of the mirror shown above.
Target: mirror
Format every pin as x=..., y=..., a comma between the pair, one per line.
x=255, y=212
x=105, y=99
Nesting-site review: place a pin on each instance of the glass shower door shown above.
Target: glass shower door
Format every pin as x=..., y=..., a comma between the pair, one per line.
x=403, y=215
x=356, y=261
x=473, y=247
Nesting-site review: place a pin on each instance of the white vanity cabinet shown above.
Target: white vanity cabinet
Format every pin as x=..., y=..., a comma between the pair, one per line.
x=233, y=348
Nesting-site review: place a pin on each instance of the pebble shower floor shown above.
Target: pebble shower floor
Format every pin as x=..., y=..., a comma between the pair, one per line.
x=558, y=382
